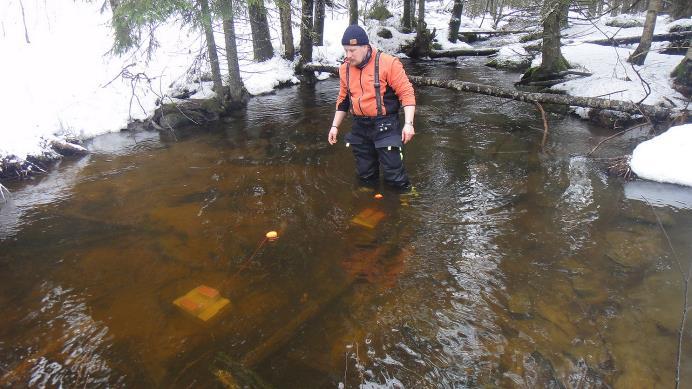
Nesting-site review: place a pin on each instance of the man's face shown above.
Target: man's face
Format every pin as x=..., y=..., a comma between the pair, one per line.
x=355, y=54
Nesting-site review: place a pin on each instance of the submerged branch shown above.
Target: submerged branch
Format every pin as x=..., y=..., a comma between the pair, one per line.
x=686, y=286
x=613, y=136
x=545, y=124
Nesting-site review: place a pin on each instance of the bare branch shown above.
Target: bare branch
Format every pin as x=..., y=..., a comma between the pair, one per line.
x=26, y=32
x=3, y=189
x=613, y=136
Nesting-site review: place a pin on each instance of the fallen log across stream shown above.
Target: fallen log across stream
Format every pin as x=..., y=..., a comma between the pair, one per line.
x=673, y=36
x=464, y=52
x=652, y=112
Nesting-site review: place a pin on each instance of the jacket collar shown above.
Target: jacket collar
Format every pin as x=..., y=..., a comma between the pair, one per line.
x=367, y=58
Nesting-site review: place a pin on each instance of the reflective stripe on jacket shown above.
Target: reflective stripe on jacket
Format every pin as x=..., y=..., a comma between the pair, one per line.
x=395, y=88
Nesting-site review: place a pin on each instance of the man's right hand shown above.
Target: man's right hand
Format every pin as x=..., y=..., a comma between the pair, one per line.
x=333, y=132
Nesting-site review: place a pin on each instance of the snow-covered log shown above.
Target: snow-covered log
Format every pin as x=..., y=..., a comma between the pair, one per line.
x=464, y=52
x=654, y=112
x=498, y=32
x=673, y=36
x=63, y=147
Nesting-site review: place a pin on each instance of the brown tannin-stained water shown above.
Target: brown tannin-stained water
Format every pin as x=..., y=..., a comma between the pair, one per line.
x=505, y=267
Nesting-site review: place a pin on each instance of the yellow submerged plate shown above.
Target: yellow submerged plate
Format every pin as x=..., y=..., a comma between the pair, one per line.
x=203, y=302
x=368, y=218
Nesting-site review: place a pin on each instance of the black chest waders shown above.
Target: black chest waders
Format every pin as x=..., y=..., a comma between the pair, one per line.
x=376, y=140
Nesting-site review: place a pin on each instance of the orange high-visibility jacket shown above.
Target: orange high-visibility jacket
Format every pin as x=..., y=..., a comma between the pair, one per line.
x=395, y=88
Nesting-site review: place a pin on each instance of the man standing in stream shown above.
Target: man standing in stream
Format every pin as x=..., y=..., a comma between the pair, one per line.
x=373, y=88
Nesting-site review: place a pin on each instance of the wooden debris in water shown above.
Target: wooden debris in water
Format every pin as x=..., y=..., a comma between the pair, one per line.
x=203, y=302
x=621, y=168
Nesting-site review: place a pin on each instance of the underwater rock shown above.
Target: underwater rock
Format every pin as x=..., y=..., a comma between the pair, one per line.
x=519, y=303
x=632, y=250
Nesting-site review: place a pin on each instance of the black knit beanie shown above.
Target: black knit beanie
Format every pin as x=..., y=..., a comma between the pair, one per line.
x=354, y=36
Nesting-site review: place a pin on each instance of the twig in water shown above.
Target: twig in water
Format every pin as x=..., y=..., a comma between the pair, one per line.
x=36, y=166
x=611, y=137
x=2, y=192
x=685, y=284
x=545, y=124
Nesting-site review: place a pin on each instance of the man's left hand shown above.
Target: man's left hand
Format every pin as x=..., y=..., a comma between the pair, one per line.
x=407, y=133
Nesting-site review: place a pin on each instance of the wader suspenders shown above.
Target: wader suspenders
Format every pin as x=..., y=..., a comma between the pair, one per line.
x=377, y=83
x=378, y=96
x=348, y=88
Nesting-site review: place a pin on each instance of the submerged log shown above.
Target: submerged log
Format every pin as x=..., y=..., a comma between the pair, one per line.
x=654, y=112
x=635, y=39
x=464, y=52
x=312, y=309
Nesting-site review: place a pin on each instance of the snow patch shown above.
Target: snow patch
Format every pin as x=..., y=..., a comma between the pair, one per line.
x=665, y=158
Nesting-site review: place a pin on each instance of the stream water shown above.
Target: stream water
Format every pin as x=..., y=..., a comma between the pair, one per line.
x=507, y=266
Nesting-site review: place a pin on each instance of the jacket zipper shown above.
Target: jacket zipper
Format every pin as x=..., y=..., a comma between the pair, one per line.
x=360, y=78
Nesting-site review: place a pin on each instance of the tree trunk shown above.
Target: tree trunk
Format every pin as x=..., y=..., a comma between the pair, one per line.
x=422, y=45
x=319, y=23
x=615, y=7
x=592, y=7
x=211, y=49
x=407, y=18
x=681, y=9
x=564, y=15
x=306, y=32
x=286, y=30
x=235, y=83
x=655, y=112
x=420, y=27
x=639, y=55
x=682, y=75
x=552, y=60
x=455, y=21
x=498, y=7
x=261, y=40
x=352, y=12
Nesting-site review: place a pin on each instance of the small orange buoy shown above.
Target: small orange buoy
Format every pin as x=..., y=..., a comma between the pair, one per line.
x=379, y=196
x=272, y=235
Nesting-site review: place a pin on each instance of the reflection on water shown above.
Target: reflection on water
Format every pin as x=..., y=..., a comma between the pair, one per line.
x=506, y=267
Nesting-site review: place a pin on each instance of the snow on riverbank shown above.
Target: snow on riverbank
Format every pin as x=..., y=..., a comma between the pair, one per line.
x=665, y=158
x=613, y=77
x=65, y=85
